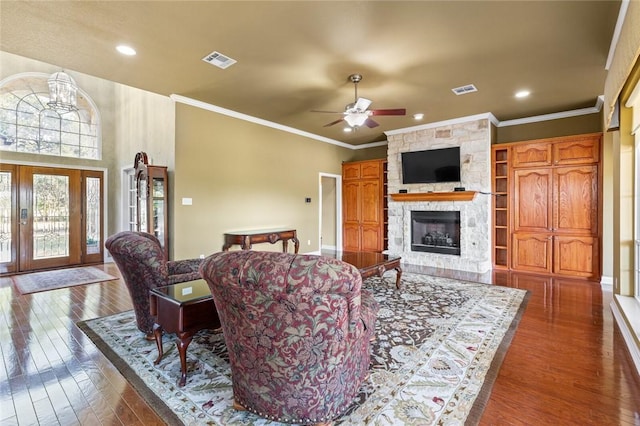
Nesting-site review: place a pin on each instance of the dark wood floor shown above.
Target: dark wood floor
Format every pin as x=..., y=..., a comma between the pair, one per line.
x=567, y=363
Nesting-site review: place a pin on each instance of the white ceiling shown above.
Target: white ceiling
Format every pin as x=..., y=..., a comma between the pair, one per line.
x=295, y=57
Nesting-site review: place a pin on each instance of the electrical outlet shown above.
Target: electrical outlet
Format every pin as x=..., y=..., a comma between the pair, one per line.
x=202, y=256
x=308, y=242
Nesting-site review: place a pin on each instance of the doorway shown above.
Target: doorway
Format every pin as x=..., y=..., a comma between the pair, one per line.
x=50, y=217
x=330, y=212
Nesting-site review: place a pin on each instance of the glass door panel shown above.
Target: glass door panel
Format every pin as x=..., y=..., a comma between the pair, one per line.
x=50, y=236
x=93, y=224
x=8, y=222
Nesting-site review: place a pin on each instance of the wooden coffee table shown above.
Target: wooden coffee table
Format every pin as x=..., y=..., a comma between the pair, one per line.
x=369, y=263
x=183, y=309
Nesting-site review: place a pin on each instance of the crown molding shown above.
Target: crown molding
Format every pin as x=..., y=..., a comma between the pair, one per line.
x=230, y=113
x=488, y=116
x=556, y=115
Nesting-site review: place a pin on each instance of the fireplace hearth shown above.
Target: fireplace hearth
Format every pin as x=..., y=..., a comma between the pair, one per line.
x=436, y=232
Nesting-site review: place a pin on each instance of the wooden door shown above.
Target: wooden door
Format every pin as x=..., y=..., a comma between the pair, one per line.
x=49, y=217
x=532, y=252
x=532, y=200
x=576, y=256
x=575, y=192
x=50, y=206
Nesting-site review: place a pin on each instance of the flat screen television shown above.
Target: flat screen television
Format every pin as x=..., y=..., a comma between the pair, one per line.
x=431, y=166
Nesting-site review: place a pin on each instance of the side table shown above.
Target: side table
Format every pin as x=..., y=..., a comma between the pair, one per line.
x=183, y=309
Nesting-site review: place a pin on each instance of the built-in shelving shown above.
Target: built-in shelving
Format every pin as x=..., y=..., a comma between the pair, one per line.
x=500, y=206
x=434, y=196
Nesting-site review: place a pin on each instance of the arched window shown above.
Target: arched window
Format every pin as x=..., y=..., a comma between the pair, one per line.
x=28, y=124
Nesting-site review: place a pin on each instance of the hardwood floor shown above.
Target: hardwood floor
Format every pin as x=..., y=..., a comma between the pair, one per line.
x=567, y=363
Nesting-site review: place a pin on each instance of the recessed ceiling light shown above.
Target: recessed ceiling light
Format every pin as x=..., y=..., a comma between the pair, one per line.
x=418, y=116
x=522, y=94
x=348, y=129
x=126, y=50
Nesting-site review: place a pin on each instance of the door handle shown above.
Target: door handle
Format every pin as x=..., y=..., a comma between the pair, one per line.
x=23, y=216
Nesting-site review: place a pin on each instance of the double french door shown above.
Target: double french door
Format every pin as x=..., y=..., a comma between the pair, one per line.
x=49, y=217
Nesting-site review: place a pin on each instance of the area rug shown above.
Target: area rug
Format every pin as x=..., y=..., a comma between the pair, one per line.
x=59, y=278
x=439, y=345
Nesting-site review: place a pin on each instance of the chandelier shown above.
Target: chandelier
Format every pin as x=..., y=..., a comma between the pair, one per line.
x=62, y=92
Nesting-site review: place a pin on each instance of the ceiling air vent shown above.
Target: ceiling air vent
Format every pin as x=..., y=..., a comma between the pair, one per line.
x=219, y=60
x=463, y=90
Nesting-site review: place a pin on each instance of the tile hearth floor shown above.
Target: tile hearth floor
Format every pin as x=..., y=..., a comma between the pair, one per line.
x=567, y=363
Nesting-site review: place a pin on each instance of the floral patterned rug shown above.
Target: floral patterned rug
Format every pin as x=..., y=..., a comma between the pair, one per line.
x=440, y=343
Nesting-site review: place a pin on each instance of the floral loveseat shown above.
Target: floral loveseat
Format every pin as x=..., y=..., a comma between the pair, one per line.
x=298, y=331
x=140, y=259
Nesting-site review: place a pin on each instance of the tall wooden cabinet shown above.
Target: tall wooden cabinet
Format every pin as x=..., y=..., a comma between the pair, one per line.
x=152, y=196
x=553, y=206
x=364, y=215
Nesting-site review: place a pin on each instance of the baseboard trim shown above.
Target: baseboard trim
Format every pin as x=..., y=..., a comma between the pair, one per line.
x=606, y=280
x=627, y=333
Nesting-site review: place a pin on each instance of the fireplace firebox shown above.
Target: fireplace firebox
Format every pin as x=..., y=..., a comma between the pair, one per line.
x=436, y=232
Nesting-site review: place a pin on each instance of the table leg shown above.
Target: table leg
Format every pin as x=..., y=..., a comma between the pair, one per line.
x=398, y=276
x=246, y=243
x=285, y=246
x=157, y=333
x=183, y=343
x=296, y=244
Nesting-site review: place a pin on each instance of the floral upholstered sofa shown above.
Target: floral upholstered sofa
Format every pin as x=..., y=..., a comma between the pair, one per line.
x=143, y=266
x=298, y=331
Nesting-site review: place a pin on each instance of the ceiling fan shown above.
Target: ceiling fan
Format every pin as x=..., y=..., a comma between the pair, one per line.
x=358, y=113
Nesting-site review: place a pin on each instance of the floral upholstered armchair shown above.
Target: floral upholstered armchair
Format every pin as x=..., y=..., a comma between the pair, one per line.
x=298, y=331
x=140, y=259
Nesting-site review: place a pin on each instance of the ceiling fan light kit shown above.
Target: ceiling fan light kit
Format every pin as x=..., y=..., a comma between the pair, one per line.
x=358, y=114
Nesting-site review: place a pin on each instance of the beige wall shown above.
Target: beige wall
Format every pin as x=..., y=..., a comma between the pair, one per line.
x=579, y=125
x=241, y=175
x=623, y=193
x=607, y=210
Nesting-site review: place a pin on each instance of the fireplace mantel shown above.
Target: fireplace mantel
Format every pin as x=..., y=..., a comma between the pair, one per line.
x=435, y=196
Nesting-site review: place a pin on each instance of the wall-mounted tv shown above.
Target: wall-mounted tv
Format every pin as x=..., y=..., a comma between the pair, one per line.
x=431, y=166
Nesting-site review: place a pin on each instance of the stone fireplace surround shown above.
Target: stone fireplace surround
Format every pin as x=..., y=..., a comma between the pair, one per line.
x=473, y=136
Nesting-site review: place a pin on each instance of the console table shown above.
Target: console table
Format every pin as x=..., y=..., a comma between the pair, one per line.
x=246, y=238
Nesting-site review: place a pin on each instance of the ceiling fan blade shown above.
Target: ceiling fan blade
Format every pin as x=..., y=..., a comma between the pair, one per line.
x=333, y=122
x=397, y=111
x=362, y=104
x=370, y=123
x=328, y=112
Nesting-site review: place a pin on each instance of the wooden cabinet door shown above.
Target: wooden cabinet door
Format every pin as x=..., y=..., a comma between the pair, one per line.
x=351, y=202
x=531, y=155
x=371, y=238
x=576, y=256
x=575, y=192
x=532, y=252
x=351, y=237
x=371, y=170
x=532, y=200
x=350, y=171
x=580, y=151
x=370, y=207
